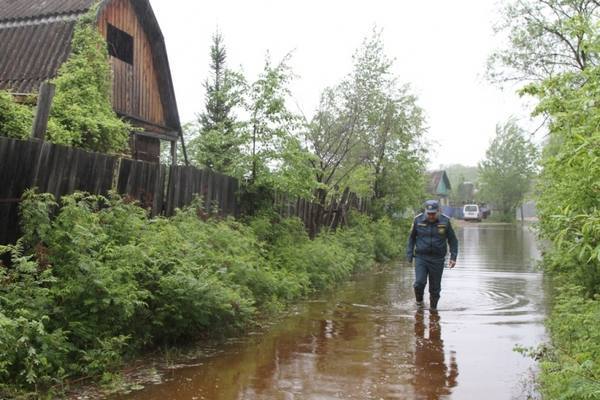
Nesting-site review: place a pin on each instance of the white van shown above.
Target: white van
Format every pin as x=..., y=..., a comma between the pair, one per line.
x=471, y=213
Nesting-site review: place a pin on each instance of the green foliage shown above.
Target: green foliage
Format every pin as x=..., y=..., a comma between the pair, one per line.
x=545, y=39
x=35, y=211
x=264, y=149
x=559, y=48
x=82, y=113
x=15, y=119
x=219, y=97
x=96, y=280
x=388, y=238
x=218, y=135
x=33, y=352
x=402, y=185
x=569, y=205
x=571, y=369
x=367, y=133
x=508, y=169
x=277, y=158
x=569, y=209
x=464, y=180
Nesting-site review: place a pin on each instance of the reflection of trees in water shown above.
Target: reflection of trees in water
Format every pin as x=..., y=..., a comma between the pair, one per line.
x=322, y=360
x=433, y=378
x=499, y=246
x=354, y=348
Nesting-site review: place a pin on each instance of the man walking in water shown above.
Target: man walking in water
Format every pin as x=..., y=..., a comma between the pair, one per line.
x=429, y=238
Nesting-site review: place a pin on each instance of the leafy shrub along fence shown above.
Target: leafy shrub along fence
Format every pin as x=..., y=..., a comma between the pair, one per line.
x=161, y=189
x=97, y=279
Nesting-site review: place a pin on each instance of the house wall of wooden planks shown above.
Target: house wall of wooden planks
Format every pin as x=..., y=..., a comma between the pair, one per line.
x=135, y=85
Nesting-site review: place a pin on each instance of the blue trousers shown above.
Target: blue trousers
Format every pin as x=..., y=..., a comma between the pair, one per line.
x=432, y=269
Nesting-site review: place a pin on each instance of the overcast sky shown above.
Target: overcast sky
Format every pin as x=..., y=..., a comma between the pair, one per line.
x=440, y=48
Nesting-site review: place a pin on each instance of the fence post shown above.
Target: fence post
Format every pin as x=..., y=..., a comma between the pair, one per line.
x=174, y=152
x=42, y=112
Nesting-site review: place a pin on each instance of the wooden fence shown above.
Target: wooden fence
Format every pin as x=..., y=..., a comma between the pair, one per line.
x=316, y=216
x=62, y=170
x=160, y=189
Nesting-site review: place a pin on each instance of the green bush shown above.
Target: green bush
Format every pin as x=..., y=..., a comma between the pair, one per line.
x=16, y=119
x=389, y=242
x=96, y=280
x=569, y=211
x=359, y=238
x=32, y=351
x=571, y=368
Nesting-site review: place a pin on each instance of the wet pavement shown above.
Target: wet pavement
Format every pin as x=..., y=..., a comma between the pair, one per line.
x=367, y=340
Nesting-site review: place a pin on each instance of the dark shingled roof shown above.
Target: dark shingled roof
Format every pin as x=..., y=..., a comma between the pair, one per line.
x=31, y=54
x=18, y=10
x=35, y=39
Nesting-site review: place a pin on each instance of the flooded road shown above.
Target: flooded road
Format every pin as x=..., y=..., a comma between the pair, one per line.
x=368, y=340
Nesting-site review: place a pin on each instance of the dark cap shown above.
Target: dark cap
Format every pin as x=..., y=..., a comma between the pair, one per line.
x=431, y=206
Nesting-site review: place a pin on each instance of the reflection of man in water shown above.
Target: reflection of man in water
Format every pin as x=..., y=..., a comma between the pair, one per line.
x=433, y=378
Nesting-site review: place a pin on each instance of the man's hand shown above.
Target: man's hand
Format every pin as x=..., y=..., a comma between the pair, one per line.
x=452, y=264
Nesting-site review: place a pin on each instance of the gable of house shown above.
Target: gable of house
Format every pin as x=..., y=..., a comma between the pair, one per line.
x=35, y=40
x=438, y=183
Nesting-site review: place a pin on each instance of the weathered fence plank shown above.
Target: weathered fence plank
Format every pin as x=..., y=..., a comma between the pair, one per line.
x=160, y=189
x=144, y=182
x=51, y=168
x=42, y=110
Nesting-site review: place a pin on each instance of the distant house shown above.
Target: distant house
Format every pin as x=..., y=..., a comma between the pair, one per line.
x=35, y=39
x=438, y=187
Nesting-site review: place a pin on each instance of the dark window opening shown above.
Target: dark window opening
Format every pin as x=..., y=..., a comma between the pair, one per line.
x=120, y=44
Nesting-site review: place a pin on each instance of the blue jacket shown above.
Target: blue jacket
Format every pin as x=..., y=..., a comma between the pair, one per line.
x=432, y=239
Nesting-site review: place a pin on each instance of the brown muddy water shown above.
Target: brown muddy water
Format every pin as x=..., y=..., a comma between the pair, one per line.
x=367, y=340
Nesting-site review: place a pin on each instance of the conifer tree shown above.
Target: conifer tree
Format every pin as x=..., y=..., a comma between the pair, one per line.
x=217, y=144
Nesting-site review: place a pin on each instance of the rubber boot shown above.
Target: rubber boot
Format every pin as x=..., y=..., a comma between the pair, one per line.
x=419, y=296
x=433, y=302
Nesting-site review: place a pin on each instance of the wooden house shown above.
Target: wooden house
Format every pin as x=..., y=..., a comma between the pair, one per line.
x=35, y=39
x=438, y=186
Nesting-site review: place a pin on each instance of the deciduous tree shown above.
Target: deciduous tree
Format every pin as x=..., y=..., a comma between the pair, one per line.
x=508, y=169
x=367, y=131
x=545, y=37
